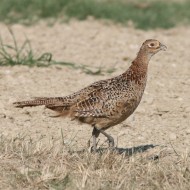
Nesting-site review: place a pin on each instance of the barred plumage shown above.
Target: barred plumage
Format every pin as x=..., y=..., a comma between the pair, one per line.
x=105, y=103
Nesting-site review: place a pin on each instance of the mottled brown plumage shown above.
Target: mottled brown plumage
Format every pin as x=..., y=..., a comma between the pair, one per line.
x=105, y=103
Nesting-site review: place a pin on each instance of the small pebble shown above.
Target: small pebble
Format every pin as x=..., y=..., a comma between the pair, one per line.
x=2, y=115
x=187, y=109
x=141, y=138
x=121, y=133
x=173, y=136
x=188, y=131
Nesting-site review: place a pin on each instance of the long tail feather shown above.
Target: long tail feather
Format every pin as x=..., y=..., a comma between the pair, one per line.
x=37, y=102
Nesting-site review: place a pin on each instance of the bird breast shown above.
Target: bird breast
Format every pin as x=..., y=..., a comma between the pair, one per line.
x=133, y=96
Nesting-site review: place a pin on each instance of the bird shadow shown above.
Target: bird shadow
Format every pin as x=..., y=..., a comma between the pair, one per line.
x=124, y=151
x=134, y=150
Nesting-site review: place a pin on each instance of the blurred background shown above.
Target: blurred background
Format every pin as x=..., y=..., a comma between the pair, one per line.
x=144, y=14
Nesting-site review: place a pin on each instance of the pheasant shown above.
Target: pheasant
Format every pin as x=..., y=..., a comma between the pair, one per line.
x=105, y=103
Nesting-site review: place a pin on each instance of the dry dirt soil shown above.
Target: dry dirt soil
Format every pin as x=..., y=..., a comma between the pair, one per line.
x=162, y=118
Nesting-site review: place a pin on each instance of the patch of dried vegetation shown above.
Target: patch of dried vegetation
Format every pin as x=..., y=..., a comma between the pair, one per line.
x=26, y=163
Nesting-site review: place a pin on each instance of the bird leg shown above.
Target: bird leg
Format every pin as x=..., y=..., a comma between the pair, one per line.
x=110, y=138
x=95, y=134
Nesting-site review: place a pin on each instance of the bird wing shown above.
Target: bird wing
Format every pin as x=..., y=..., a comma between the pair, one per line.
x=100, y=99
x=102, y=102
x=65, y=103
x=91, y=106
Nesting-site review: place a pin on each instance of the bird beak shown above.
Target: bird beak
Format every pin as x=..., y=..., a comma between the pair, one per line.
x=163, y=47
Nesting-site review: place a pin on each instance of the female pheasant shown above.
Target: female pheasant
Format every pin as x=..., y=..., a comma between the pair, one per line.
x=105, y=103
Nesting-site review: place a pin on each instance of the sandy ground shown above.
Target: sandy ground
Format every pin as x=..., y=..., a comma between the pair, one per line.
x=162, y=118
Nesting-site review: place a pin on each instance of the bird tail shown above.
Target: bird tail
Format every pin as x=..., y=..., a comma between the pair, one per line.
x=38, y=102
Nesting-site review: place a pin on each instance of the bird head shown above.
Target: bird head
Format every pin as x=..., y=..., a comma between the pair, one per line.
x=152, y=46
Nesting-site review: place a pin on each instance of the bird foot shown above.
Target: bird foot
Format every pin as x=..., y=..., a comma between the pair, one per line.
x=111, y=142
x=93, y=149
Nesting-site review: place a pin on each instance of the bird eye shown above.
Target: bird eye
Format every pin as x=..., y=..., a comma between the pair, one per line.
x=152, y=44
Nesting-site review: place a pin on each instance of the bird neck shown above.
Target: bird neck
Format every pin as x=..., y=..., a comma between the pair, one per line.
x=142, y=59
x=140, y=63
x=138, y=70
